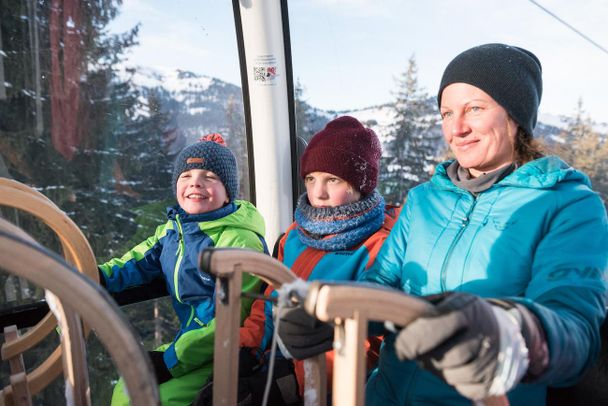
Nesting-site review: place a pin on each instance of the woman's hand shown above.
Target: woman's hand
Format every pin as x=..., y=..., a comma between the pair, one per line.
x=471, y=344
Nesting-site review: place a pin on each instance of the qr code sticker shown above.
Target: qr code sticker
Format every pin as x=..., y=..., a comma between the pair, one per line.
x=259, y=73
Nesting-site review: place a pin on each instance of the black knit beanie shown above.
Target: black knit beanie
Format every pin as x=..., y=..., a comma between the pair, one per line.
x=510, y=75
x=212, y=154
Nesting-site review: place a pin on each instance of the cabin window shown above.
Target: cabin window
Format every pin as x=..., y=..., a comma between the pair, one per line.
x=96, y=100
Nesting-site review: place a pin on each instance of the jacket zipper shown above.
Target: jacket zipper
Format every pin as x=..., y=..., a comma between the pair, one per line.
x=181, y=248
x=463, y=226
x=180, y=255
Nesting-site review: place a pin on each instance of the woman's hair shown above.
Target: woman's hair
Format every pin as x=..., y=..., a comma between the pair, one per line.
x=526, y=148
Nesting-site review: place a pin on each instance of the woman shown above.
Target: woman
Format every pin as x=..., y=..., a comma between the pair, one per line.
x=509, y=245
x=340, y=223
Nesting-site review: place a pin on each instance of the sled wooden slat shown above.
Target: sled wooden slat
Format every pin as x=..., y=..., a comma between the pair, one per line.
x=21, y=394
x=30, y=338
x=40, y=377
x=16, y=363
x=46, y=372
x=73, y=349
x=18, y=379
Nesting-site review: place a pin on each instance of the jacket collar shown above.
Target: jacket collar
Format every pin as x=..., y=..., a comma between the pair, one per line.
x=542, y=173
x=174, y=211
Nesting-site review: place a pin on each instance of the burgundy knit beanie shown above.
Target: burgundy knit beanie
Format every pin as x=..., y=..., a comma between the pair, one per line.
x=347, y=149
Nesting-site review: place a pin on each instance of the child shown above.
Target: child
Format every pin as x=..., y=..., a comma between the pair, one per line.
x=205, y=182
x=341, y=222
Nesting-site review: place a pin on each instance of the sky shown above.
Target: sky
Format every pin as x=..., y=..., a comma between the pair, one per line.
x=347, y=54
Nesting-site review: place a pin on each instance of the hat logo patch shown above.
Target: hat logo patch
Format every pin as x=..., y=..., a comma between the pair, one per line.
x=195, y=161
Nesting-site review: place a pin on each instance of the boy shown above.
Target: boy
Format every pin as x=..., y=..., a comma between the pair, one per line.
x=205, y=183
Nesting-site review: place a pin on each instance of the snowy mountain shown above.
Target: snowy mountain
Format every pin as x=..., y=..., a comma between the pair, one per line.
x=197, y=103
x=200, y=104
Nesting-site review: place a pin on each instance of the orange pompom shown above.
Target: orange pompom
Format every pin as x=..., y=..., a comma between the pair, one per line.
x=214, y=137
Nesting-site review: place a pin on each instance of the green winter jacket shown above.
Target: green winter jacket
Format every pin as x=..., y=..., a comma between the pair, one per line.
x=172, y=253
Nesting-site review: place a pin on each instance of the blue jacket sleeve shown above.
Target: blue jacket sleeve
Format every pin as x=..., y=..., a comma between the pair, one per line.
x=567, y=291
x=137, y=266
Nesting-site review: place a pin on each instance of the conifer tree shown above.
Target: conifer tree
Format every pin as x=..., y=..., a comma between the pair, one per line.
x=237, y=142
x=103, y=119
x=410, y=151
x=585, y=149
x=309, y=121
x=304, y=115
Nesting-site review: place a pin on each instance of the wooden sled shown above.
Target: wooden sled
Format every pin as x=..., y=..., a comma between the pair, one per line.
x=22, y=256
x=74, y=291
x=228, y=264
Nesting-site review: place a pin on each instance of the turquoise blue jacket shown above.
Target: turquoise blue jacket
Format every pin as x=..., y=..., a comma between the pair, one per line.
x=539, y=236
x=172, y=253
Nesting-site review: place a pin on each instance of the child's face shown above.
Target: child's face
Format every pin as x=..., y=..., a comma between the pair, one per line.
x=327, y=190
x=200, y=191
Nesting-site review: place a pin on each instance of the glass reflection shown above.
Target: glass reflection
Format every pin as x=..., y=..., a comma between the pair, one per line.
x=96, y=100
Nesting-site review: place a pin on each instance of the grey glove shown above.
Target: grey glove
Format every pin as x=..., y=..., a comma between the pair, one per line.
x=472, y=345
x=303, y=335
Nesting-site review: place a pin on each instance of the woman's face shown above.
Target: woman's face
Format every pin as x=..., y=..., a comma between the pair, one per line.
x=478, y=130
x=327, y=190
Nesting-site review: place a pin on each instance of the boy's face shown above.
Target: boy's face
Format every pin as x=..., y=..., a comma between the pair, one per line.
x=327, y=190
x=200, y=191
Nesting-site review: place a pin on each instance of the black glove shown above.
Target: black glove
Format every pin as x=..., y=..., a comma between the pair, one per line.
x=160, y=368
x=302, y=334
x=244, y=397
x=283, y=390
x=464, y=343
x=248, y=362
x=205, y=395
x=102, y=278
x=248, y=365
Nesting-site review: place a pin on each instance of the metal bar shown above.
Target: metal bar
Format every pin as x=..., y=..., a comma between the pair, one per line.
x=28, y=315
